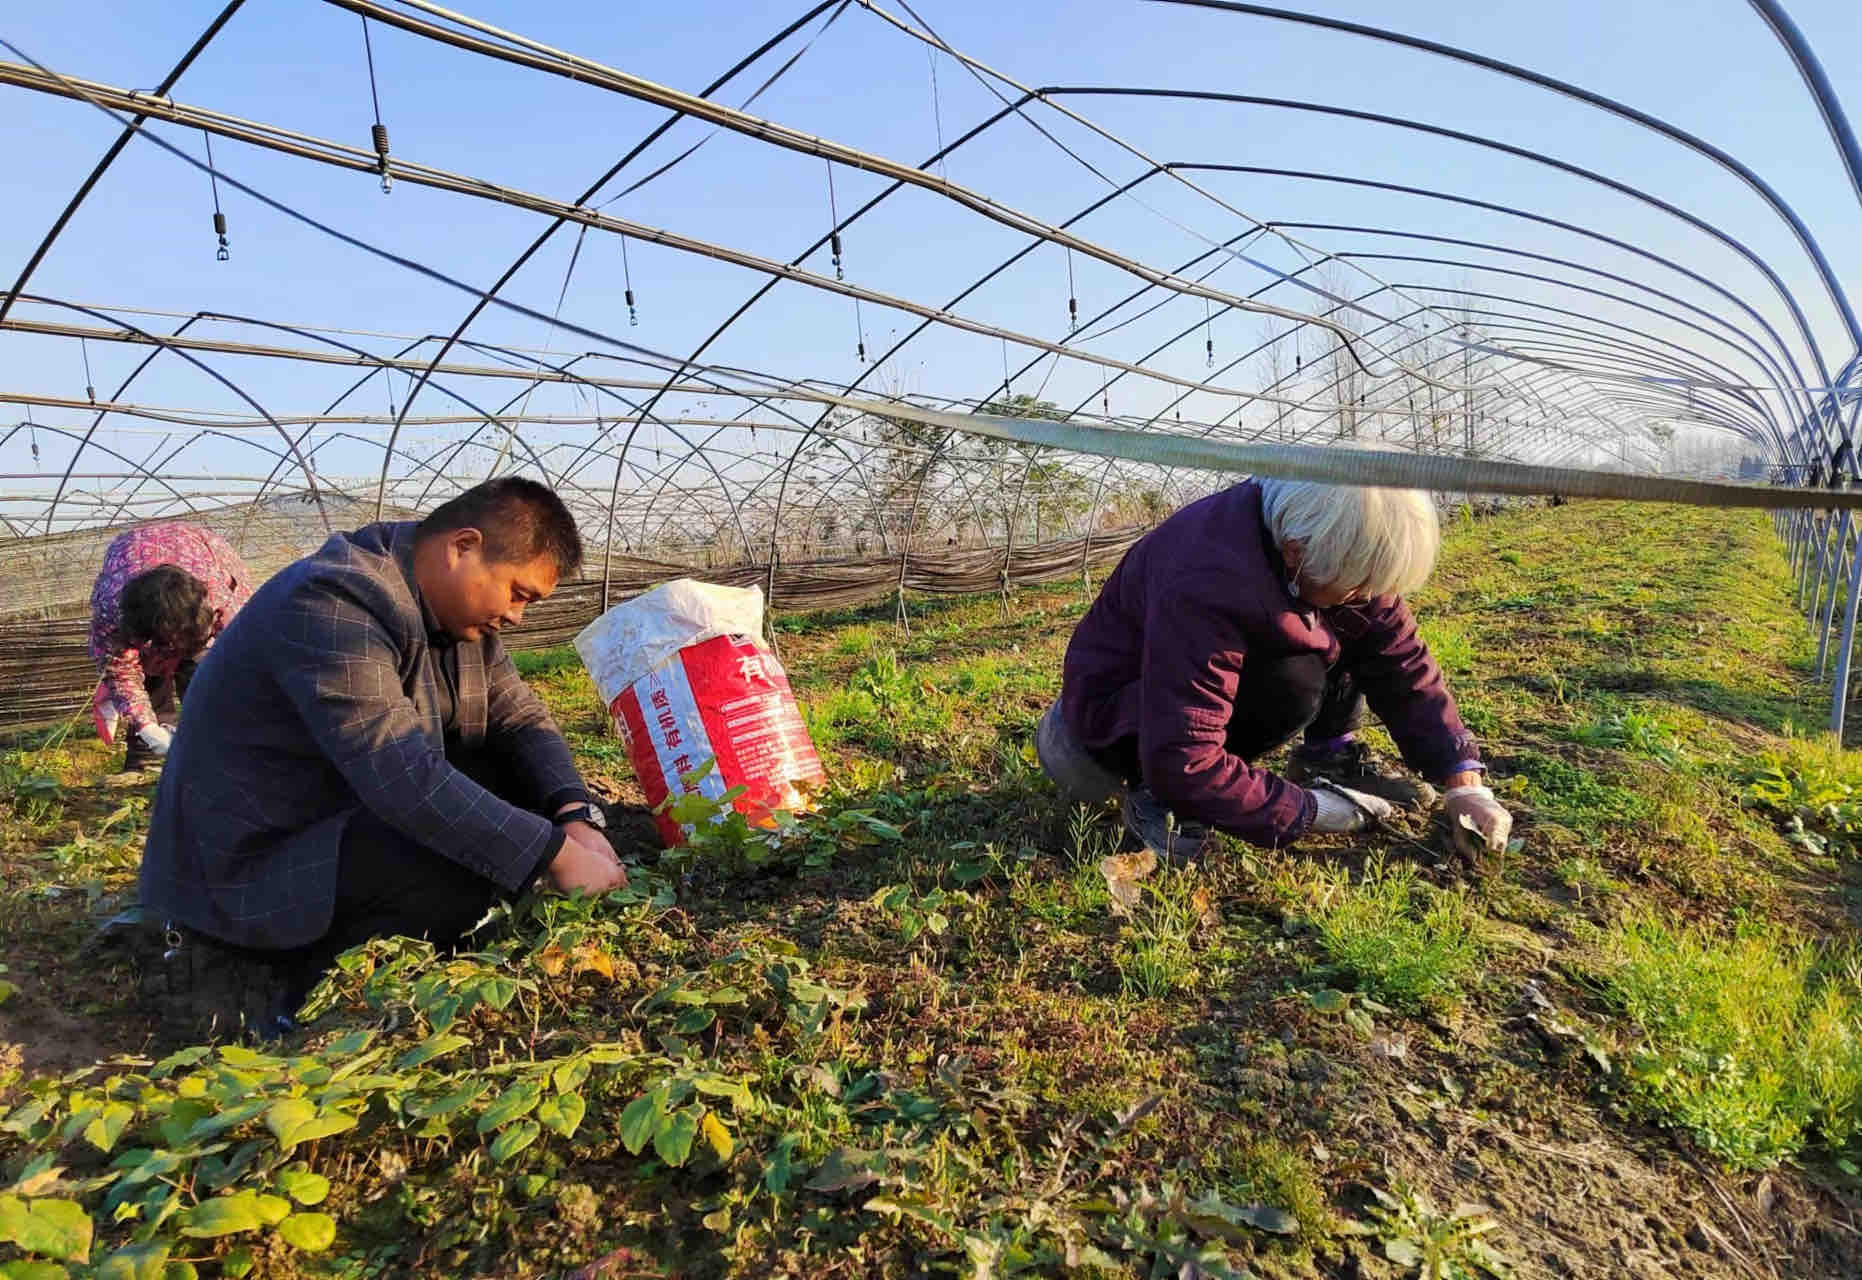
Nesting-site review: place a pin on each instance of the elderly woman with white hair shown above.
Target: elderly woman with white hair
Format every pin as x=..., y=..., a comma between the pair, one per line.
x=1270, y=610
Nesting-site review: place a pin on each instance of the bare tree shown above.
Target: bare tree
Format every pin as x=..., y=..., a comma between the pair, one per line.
x=1276, y=364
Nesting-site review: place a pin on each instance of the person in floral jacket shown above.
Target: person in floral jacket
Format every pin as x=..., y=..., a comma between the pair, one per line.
x=165, y=592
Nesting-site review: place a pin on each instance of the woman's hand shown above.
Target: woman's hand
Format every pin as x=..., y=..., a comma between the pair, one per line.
x=1479, y=822
x=1343, y=810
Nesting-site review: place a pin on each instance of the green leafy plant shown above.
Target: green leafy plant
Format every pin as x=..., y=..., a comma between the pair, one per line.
x=35, y=797
x=723, y=840
x=885, y=680
x=915, y=914
x=1355, y=1008
x=214, y=1151
x=1815, y=792
x=207, y=1145
x=1438, y=1246
x=1635, y=730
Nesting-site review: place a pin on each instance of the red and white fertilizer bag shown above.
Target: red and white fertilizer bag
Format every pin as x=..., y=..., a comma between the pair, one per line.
x=685, y=675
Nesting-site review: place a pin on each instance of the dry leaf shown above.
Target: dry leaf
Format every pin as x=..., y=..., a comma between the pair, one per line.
x=1207, y=917
x=552, y=959
x=1123, y=871
x=590, y=958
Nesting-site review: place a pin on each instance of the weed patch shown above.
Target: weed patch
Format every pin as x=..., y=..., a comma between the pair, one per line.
x=1155, y=959
x=1751, y=1045
x=1637, y=731
x=1575, y=796
x=1399, y=938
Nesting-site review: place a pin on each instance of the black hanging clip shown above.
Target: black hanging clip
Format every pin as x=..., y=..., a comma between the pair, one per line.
x=219, y=229
x=1073, y=296
x=379, y=132
x=627, y=277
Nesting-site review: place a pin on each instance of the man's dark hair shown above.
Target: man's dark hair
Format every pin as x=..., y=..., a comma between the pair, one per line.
x=166, y=607
x=520, y=520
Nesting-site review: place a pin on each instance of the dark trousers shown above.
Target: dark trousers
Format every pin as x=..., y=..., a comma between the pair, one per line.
x=386, y=884
x=162, y=691
x=1276, y=700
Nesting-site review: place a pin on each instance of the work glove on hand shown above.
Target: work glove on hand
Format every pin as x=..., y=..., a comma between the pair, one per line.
x=156, y=738
x=1344, y=810
x=1479, y=822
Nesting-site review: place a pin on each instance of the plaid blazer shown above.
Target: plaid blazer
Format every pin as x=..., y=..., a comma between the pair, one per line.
x=323, y=696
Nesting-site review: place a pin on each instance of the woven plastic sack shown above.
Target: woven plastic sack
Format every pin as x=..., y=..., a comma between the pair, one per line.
x=684, y=672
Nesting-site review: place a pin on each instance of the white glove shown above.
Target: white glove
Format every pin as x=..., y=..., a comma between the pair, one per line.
x=156, y=738
x=1342, y=809
x=1480, y=822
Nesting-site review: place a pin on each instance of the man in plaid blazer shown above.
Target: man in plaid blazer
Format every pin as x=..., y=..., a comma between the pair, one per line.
x=359, y=757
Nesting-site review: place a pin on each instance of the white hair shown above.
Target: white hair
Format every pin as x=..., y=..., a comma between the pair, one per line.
x=1378, y=541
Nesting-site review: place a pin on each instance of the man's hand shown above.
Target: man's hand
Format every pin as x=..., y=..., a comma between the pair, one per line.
x=1479, y=822
x=586, y=861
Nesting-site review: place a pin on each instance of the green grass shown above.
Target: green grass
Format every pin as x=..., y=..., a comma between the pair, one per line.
x=1752, y=1045
x=857, y=640
x=535, y=664
x=1450, y=645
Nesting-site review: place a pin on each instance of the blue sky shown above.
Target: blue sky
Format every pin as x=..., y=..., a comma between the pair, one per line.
x=144, y=238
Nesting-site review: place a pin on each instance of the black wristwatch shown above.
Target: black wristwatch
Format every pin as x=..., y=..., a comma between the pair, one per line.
x=583, y=812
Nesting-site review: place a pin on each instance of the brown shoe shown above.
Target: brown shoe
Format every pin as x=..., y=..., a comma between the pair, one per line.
x=1356, y=766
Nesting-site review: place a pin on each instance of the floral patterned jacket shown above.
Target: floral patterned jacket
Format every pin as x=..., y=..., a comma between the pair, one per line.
x=122, y=691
